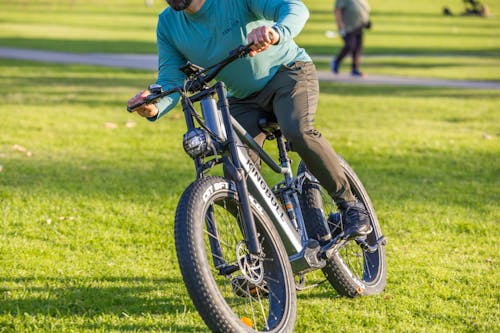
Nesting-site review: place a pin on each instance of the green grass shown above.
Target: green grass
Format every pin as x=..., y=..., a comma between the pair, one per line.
x=455, y=47
x=476, y=68
x=398, y=27
x=86, y=211
x=408, y=27
x=87, y=217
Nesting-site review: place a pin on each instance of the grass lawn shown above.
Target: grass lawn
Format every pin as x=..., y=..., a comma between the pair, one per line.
x=455, y=47
x=409, y=27
x=398, y=27
x=88, y=192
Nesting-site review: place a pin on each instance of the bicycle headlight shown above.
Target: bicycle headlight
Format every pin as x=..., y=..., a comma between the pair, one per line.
x=197, y=143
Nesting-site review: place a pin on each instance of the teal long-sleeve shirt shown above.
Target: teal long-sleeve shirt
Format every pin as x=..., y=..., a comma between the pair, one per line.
x=207, y=36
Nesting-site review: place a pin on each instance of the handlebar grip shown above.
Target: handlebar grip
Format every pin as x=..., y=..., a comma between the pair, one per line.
x=133, y=107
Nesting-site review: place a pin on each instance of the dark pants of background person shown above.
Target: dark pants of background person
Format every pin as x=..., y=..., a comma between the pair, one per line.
x=292, y=96
x=353, y=43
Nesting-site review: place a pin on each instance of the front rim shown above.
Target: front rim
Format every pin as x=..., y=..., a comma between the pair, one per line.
x=253, y=289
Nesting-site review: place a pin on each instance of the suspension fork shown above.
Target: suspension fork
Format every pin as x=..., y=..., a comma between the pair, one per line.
x=237, y=173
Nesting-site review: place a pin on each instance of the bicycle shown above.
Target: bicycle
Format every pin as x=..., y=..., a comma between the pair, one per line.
x=241, y=243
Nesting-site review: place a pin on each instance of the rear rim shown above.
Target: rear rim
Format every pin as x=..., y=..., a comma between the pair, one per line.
x=368, y=266
x=365, y=268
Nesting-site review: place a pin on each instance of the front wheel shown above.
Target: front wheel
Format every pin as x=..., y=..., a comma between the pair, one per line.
x=359, y=267
x=232, y=290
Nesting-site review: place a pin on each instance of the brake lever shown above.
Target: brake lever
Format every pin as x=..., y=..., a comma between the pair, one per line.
x=241, y=51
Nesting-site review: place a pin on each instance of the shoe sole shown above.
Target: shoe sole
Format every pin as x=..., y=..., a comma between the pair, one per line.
x=354, y=232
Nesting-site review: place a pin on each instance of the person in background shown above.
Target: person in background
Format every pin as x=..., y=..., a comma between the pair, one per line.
x=475, y=7
x=352, y=17
x=279, y=79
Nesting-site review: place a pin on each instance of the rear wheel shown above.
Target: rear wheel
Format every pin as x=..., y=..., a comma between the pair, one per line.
x=232, y=290
x=359, y=266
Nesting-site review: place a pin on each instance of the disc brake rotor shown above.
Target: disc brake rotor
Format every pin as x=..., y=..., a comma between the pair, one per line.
x=251, y=266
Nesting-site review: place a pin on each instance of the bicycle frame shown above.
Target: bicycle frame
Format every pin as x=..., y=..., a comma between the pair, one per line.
x=238, y=166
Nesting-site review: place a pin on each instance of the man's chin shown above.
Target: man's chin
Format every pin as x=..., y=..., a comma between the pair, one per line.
x=179, y=5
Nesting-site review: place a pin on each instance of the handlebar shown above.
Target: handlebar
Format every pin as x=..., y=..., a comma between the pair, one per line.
x=153, y=97
x=197, y=81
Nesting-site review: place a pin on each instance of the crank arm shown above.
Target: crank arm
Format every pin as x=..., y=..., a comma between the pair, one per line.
x=338, y=242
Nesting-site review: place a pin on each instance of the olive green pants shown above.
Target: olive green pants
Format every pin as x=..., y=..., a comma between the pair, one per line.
x=292, y=96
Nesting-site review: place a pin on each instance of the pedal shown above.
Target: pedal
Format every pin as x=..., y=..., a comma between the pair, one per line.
x=340, y=240
x=371, y=248
x=332, y=246
x=337, y=243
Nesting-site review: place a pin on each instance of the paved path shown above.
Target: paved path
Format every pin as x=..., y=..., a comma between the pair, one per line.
x=149, y=62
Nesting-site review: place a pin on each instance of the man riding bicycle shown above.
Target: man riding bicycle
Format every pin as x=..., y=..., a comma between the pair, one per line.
x=281, y=82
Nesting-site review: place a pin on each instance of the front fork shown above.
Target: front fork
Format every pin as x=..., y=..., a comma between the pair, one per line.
x=236, y=172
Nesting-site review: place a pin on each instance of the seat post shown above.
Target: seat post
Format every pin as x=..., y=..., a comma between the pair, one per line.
x=270, y=127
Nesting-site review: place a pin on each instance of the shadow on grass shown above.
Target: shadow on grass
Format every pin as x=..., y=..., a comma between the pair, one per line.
x=120, y=172
x=52, y=83
x=486, y=65
x=69, y=84
x=402, y=34
x=438, y=13
x=420, y=175
x=425, y=176
x=423, y=65
x=93, y=297
x=348, y=90
x=82, y=45
x=100, y=179
x=408, y=50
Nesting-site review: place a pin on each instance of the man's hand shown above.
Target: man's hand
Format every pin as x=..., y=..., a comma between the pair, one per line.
x=146, y=110
x=262, y=38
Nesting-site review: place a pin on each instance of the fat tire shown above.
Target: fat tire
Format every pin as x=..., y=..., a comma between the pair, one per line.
x=194, y=261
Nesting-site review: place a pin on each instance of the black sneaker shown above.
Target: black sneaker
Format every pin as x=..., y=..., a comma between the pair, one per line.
x=355, y=220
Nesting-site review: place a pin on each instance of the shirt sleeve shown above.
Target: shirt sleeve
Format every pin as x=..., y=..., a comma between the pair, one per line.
x=290, y=15
x=169, y=75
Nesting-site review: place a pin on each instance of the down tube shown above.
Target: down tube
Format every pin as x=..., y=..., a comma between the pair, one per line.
x=264, y=195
